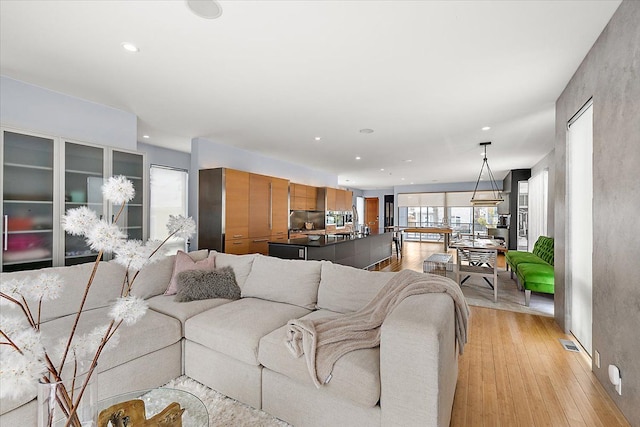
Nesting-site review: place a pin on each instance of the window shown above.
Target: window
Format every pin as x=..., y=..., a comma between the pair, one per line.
x=538, y=205
x=168, y=196
x=428, y=210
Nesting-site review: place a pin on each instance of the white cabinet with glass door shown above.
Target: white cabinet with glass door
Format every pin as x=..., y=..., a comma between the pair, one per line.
x=84, y=171
x=132, y=220
x=29, y=201
x=43, y=177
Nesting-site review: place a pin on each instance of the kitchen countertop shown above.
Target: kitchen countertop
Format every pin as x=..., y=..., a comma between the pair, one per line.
x=325, y=240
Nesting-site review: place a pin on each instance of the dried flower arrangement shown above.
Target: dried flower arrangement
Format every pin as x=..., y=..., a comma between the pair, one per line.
x=24, y=360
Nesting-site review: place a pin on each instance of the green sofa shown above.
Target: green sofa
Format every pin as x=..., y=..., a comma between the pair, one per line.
x=534, y=270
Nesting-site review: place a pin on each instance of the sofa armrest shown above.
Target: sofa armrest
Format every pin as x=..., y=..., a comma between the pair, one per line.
x=418, y=362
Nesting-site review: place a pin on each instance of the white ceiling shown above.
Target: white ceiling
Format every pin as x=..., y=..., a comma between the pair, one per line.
x=270, y=76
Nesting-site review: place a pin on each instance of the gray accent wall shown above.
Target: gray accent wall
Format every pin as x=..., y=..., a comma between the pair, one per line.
x=610, y=73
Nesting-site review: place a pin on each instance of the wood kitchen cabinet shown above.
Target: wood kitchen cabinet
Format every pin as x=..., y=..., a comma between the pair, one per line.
x=339, y=200
x=348, y=200
x=280, y=207
x=331, y=199
x=298, y=197
x=240, y=212
x=268, y=210
x=312, y=198
x=303, y=197
x=237, y=204
x=223, y=210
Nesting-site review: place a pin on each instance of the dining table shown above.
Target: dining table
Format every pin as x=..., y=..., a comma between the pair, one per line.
x=445, y=231
x=479, y=243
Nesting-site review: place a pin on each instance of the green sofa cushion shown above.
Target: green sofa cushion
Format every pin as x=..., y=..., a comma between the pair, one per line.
x=544, y=248
x=514, y=258
x=536, y=277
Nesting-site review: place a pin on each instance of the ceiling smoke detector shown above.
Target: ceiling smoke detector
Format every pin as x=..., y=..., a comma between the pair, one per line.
x=208, y=9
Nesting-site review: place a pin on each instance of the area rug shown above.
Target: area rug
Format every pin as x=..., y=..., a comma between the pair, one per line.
x=478, y=293
x=224, y=411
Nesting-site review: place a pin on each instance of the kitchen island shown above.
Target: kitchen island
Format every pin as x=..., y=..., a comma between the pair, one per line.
x=360, y=251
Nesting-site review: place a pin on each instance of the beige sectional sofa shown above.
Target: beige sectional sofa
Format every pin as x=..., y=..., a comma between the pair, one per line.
x=237, y=347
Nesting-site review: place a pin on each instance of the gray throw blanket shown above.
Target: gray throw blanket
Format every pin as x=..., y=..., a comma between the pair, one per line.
x=324, y=341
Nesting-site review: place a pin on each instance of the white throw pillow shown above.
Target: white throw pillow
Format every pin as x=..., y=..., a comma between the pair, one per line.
x=241, y=265
x=348, y=289
x=283, y=280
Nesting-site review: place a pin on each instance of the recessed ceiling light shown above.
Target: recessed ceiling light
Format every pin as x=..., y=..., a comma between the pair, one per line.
x=357, y=157
x=486, y=128
x=402, y=179
x=407, y=161
x=130, y=47
x=145, y=136
x=317, y=138
x=411, y=183
x=208, y=9
x=381, y=169
x=366, y=130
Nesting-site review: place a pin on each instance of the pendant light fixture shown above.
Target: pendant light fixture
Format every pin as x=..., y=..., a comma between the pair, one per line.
x=478, y=199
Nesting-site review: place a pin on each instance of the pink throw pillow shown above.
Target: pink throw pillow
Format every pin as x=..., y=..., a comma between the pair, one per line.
x=184, y=263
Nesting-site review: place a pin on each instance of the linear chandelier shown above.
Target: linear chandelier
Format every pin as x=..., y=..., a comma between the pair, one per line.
x=478, y=200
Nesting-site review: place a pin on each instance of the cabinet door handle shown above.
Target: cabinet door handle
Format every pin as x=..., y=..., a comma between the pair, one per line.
x=235, y=236
x=260, y=240
x=237, y=243
x=270, y=206
x=6, y=232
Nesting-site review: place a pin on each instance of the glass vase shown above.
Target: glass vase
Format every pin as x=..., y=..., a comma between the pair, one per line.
x=72, y=402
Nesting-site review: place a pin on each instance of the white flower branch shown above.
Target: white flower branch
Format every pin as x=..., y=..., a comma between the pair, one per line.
x=23, y=358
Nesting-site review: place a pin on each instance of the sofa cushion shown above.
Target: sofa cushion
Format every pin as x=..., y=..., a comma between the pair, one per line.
x=544, y=248
x=346, y=289
x=537, y=277
x=185, y=310
x=284, y=280
x=235, y=329
x=355, y=376
x=241, y=265
x=106, y=287
x=514, y=258
x=190, y=261
x=152, y=332
x=153, y=279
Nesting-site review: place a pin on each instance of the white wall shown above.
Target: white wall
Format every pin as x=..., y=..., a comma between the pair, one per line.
x=165, y=157
x=548, y=162
x=28, y=107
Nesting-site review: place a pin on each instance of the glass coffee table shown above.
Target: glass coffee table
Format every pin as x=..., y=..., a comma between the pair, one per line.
x=156, y=401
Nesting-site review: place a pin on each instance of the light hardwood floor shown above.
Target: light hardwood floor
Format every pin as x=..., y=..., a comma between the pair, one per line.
x=514, y=372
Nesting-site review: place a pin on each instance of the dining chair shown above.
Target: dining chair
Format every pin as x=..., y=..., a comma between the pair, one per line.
x=478, y=262
x=397, y=240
